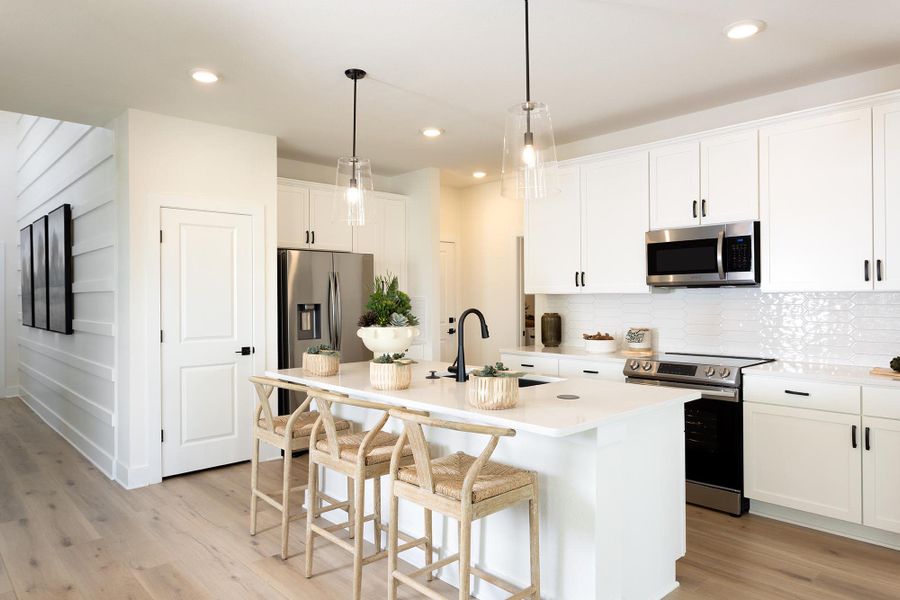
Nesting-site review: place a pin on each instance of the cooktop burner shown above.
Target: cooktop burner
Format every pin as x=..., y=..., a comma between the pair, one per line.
x=705, y=369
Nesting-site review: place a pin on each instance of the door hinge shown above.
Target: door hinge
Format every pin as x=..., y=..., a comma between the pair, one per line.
x=162, y=435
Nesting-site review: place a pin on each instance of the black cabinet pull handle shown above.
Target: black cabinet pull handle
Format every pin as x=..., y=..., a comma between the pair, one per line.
x=307, y=236
x=313, y=237
x=576, y=278
x=867, y=270
x=793, y=393
x=582, y=279
x=853, y=436
x=868, y=442
x=878, y=274
x=526, y=365
x=694, y=209
x=703, y=207
x=589, y=372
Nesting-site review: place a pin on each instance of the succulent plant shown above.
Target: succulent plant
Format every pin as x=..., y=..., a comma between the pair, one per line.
x=497, y=370
x=387, y=359
x=895, y=364
x=323, y=349
x=388, y=306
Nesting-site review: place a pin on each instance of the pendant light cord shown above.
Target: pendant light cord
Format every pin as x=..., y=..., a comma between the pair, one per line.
x=354, y=117
x=527, y=59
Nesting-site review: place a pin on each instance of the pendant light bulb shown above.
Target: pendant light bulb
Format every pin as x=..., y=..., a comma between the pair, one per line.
x=529, y=149
x=353, y=185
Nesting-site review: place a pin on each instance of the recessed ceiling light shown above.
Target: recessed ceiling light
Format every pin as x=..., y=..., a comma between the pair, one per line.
x=478, y=174
x=740, y=30
x=204, y=76
x=432, y=132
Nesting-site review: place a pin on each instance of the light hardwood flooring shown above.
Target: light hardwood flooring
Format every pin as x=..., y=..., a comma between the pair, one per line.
x=66, y=531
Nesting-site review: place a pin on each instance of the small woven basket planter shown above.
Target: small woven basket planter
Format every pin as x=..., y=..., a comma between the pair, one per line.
x=321, y=365
x=390, y=376
x=492, y=393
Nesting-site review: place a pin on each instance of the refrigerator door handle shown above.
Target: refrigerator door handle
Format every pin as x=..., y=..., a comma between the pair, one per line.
x=339, y=310
x=331, y=340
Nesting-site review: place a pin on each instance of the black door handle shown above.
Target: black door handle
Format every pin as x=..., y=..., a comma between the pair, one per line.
x=589, y=372
x=246, y=350
x=878, y=274
x=867, y=270
x=576, y=278
x=307, y=236
x=793, y=393
x=582, y=279
x=853, y=436
x=313, y=237
x=703, y=207
x=694, y=209
x=451, y=331
x=868, y=444
x=526, y=365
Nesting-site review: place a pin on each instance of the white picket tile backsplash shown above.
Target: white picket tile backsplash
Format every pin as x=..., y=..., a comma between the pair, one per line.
x=834, y=327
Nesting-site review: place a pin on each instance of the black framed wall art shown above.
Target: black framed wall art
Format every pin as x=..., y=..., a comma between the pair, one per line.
x=39, y=273
x=25, y=259
x=59, y=269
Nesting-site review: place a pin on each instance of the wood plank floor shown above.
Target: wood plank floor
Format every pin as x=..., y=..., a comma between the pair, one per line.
x=66, y=531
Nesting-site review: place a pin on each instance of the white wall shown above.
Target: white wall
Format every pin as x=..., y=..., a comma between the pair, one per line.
x=307, y=171
x=199, y=165
x=9, y=240
x=70, y=380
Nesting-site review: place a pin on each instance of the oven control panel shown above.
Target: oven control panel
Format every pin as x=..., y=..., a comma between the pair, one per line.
x=662, y=371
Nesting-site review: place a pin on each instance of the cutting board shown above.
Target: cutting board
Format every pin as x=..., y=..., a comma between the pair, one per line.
x=886, y=373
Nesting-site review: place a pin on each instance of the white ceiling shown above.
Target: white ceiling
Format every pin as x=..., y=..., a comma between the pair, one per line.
x=457, y=64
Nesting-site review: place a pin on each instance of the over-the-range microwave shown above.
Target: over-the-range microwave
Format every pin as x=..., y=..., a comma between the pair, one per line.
x=705, y=256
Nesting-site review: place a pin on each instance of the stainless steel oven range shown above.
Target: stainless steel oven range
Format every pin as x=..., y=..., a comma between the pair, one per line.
x=713, y=425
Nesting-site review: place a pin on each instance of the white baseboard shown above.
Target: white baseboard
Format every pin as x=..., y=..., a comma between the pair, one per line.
x=854, y=531
x=86, y=447
x=132, y=478
x=11, y=391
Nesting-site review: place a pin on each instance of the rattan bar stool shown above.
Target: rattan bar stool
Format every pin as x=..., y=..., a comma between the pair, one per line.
x=290, y=433
x=360, y=457
x=464, y=488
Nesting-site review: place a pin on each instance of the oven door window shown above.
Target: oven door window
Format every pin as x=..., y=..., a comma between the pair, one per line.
x=682, y=258
x=714, y=443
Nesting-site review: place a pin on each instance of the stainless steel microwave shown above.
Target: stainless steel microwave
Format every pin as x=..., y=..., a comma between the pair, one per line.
x=706, y=256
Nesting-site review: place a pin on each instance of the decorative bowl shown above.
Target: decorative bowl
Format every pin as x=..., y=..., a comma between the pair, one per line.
x=388, y=340
x=600, y=346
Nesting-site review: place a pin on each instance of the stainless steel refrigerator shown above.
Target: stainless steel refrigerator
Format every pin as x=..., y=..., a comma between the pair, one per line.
x=320, y=298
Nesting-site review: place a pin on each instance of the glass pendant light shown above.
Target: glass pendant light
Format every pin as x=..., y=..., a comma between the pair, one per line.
x=353, y=186
x=529, y=151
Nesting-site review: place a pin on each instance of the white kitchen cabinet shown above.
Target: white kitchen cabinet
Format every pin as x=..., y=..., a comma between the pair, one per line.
x=536, y=365
x=816, y=203
x=293, y=216
x=675, y=185
x=591, y=369
x=729, y=178
x=327, y=232
x=614, y=218
x=881, y=473
x=804, y=459
x=553, y=238
x=886, y=146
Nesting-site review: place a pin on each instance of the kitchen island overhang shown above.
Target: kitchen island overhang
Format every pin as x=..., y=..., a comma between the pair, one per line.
x=611, y=473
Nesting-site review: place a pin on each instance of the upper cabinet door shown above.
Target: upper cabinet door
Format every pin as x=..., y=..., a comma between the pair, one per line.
x=887, y=196
x=553, y=238
x=816, y=203
x=729, y=178
x=369, y=238
x=615, y=216
x=293, y=216
x=326, y=233
x=675, y=186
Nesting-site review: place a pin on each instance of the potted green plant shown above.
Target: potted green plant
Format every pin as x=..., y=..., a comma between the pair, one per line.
x=895, y=364
x=390, y=372
x=388, y=326
x=321, y=360
x=494, y=387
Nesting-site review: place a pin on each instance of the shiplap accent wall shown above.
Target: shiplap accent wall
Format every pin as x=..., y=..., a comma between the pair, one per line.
x=70, y=380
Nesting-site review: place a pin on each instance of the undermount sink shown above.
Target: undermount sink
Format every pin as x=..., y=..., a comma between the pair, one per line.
x=523, y=381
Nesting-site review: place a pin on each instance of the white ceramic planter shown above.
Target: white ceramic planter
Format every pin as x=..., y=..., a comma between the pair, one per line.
x=600, y=346
x=388, y=340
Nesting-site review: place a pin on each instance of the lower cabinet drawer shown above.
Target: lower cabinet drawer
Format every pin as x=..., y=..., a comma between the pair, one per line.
x=800, y=393
x=531, y=364
x=881, y=402
x=610, y=371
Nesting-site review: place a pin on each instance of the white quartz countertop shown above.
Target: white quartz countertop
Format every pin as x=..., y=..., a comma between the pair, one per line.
x=821, y=372
x=574, y=352
x=539, y=410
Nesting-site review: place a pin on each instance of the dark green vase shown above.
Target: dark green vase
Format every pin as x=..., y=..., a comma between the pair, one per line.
x=551, y=330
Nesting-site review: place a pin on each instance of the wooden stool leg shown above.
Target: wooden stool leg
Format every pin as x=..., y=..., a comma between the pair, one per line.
x=311, y=512
x=285, y=503
x=254, y=483
x=534, y=535
x=359, y=511
x=465, y=553
x=393, y=532
x=376, y=501
x=351, y=513
x=429, y=548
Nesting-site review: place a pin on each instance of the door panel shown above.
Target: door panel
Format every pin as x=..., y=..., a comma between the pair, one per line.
x=729, y=178
x=887, y=196
x=353, y=278
x=881, y=474
x=293, y=216
x=206, y=310
x=553, y=238
x=327, y=232
x=675, y=186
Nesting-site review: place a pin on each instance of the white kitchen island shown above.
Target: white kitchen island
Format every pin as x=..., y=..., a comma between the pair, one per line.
x=611, y=476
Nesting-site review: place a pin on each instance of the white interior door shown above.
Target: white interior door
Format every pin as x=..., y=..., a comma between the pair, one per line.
x=206, y=278
x=449, y=308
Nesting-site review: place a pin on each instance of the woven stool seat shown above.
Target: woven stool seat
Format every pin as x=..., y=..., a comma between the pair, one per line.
x=379, y=452
x=303, y=425
x=449, y=472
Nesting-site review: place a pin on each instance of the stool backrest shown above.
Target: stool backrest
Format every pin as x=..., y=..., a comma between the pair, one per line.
x=264, y=387
x=324, y=402
x=414, y=434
